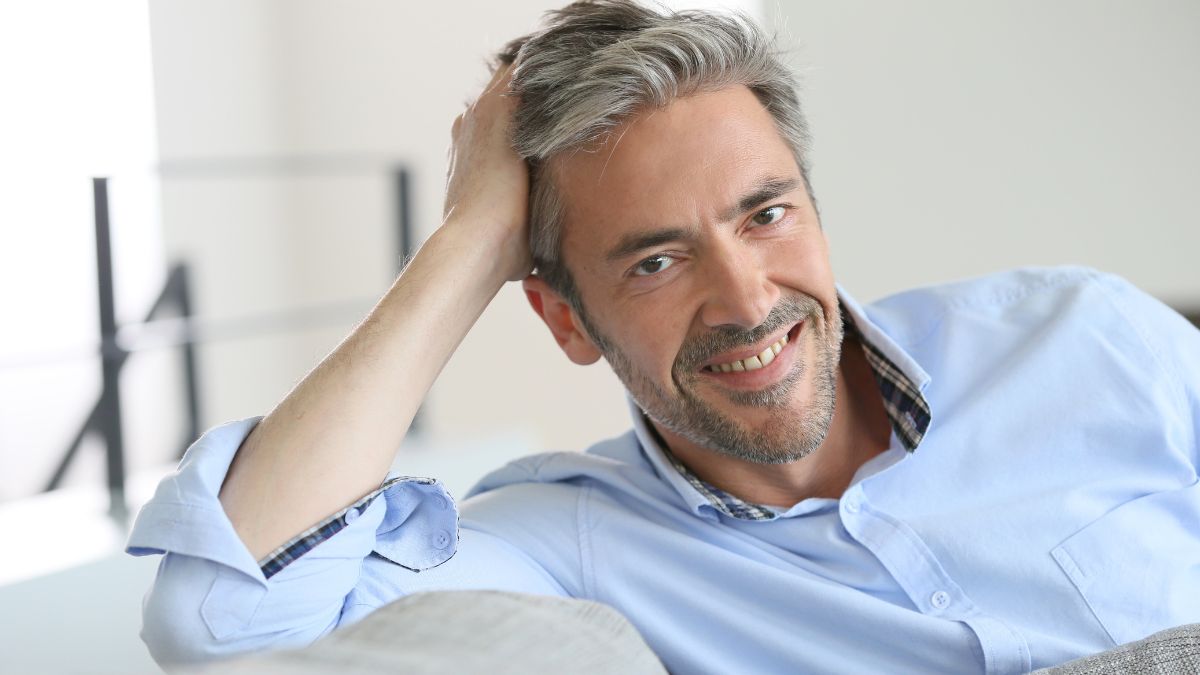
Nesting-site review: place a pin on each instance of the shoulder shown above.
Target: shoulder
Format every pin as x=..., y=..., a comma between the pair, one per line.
x=537, y=502
x=557, y=479
x=1062, y=327
x=603, y=460
x=1018, y=300
x=927, y=306
x=1036, y=295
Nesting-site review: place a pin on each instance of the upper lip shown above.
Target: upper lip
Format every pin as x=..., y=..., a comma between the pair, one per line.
x=731, y=356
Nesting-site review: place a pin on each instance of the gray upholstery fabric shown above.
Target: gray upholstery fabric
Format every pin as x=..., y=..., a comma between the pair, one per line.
x=503, y=633
x=1171, y=652
x=471, y=632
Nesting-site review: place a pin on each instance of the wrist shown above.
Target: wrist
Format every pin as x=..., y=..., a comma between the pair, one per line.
x=500, y=250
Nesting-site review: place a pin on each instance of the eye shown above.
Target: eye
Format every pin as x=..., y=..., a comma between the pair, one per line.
x=768, y=216
x=653, y=265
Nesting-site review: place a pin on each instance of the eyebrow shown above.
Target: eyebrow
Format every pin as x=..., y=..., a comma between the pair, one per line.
x=768, y=189
x=632, y=243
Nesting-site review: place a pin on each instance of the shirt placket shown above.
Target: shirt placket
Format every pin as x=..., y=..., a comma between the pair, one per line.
x=923, y=578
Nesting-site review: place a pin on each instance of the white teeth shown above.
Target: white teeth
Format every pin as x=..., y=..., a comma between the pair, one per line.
x=754, y=362
x=767, y=356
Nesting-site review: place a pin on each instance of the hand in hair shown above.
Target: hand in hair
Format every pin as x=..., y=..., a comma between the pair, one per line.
x=332, y=439
x=487, y=183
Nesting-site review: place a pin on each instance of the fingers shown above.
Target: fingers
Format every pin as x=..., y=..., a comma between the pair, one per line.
x=501, y=81
x=496, y=89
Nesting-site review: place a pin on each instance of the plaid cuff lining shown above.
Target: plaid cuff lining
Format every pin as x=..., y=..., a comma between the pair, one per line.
x=307, y=540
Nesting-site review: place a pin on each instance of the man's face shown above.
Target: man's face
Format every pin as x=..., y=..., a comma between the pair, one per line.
x=705, y=278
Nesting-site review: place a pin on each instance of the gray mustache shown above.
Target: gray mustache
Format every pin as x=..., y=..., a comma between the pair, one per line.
x=699, y=348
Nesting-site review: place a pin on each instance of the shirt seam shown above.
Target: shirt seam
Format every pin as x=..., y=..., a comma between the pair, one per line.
x=1064, y=560
x=583, y=527
x=1157, y=357
x=1063, y=276
x=194, y=507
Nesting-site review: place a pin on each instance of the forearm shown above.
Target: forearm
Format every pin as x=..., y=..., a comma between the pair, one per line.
x=332, y=439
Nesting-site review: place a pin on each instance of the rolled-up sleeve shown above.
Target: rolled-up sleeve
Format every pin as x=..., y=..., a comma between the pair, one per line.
x=211, y=598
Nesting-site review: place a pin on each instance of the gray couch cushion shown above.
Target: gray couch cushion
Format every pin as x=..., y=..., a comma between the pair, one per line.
x=471, y=632
x=1171, y=652
x=502, y=633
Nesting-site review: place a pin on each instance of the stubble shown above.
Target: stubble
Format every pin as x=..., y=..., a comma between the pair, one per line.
x=796, y=428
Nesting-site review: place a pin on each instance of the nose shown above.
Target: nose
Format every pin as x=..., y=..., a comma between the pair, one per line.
x=738, y=289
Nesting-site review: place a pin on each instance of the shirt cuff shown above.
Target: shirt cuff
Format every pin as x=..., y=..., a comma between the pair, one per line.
x=427, y=534
x=185, y=516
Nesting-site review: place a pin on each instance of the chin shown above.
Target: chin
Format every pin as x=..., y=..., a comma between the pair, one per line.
x=784, y=432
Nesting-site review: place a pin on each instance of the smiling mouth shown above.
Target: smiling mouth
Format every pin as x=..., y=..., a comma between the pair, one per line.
x=755, y=362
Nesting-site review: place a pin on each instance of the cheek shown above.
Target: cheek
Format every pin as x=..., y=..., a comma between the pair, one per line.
x=652, y=337
x=802, y=263
x=659, y=349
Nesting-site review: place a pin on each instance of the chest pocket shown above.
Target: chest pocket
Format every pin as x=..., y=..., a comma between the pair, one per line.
x=1138, y=566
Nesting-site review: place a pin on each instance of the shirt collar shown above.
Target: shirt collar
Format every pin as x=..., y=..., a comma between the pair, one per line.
x=696, y=494
x=901, y=380
x=901, y=383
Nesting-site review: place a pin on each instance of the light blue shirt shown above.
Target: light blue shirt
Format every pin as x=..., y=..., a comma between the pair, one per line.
x=1051, y=511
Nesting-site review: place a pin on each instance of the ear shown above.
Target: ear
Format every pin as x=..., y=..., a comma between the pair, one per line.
x=562, y=321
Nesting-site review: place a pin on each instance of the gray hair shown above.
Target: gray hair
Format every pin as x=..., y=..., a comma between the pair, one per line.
x=596, y=63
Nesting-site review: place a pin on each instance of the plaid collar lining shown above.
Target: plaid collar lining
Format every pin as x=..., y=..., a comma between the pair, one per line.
x=719, y=499
x=906, y=408
x=905, y=405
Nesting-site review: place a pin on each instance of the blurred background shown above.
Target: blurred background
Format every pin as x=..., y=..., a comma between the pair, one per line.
x=268, y=162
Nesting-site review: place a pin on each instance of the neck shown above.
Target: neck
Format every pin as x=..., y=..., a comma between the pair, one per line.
x=860, y=430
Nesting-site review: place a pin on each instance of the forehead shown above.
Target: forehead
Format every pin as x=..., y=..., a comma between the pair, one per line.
x=682, y=165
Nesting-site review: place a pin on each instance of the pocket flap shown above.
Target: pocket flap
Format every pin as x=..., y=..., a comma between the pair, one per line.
x=1138, y=566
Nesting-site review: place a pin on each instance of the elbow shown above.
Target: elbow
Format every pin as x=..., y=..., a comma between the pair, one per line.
x=199, y=611
x=173, y=623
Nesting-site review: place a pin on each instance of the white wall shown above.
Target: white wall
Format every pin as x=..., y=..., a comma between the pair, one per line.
x=364, y=82
x=76, y=83
x=952, y=139
x=957, y=138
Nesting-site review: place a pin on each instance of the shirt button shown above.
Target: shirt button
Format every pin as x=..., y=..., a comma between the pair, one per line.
x=351, y=516
x=940, y=600
x=853, y=505
x=441, y=540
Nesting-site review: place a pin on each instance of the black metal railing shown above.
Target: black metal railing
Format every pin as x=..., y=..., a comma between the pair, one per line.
x=160, y=330
x=104, y=419
x=185, y=332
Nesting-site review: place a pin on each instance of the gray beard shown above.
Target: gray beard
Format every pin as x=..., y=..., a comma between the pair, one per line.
x=788, y=438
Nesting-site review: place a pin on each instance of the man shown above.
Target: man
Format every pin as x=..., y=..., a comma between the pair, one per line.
x=996, y=475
